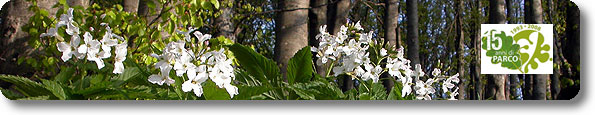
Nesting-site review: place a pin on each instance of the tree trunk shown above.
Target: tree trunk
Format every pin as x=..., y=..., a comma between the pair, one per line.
x=291, y=31
x=391, y=20
x=130, y=6
x=555, y=79
x=83, y=3
x=534, y=16
x=223, y=22
x=14, y=41
x=475, y=61
x=412, y=32
x=497, y=16
x=337, y=16
x=461, y=49
x=317, y=18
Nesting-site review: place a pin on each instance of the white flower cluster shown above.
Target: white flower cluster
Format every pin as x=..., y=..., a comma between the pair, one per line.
x=198, y=67
x=92, y=49
x=347, y=55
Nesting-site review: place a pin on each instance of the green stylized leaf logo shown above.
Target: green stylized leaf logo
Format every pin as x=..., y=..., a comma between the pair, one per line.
x=540, y=47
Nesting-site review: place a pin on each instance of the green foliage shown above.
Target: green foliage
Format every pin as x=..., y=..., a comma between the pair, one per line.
x=25, y=86
x=258, y=66
x=299, y=69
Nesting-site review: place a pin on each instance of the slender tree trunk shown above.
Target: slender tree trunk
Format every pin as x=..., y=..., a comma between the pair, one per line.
x=391, y=17
x=391, y=21
x=461, y=49
x=223, y=22
x=130, y=5
x=317, y=17
x=497, y=16
x=535, y=17
x=475, y=61
x=291, y=31
x=412, y=32
x=555, y=79
x=337, y=16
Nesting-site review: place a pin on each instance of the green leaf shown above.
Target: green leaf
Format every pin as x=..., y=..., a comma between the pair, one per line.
x=215, y=3
x=247, y=92
x=129, y=73
x=55, y=88
x=395, y=93
x=213, y=92
x=300, y=68
x=364, y=96
x=45, y=97
x=262, y=68
x=65, y=74
x=10, y=94
x=317, y=90
x=25, y=86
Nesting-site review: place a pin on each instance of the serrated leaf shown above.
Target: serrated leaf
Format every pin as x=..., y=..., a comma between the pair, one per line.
x=25, y=86
x=317, y=90
x=262, y=68
x=129, y=73
x=10, y=94
x=299, y=68
x=55, y=88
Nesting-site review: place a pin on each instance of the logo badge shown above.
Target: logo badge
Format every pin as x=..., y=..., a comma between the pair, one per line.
x=516, y=49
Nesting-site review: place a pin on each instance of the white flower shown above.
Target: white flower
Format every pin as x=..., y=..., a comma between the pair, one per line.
x=372, y=72
x=67, y=50
x=162, y=77
x=232, y=90
x=454, y=94
x=383, y=52
x=121, y=51
x=358, y=26
x=53, y=32
x=406, y=81
x=91, y=47
x=449, y=82
x=436, y=72
x=68, y=20
x=423, y=89
x=184, y=64
x=418, y=71
x=201, y=37
x=194, y=82
x=187, y=36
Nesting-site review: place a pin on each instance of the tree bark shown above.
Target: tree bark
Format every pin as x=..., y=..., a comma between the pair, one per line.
x=461, y=49
x=391, y=21
x=475, y=61
x=317, y=18
x=130, y=6
x=223, y=22
x=534, y=16
x=83, y=3
x=412, y=32
x=497, y=16
x=571, y=47
x=291, y=31
x=14, y=41
x=337, y=16
x=555, y=79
